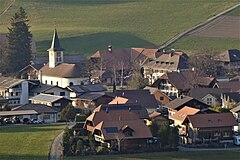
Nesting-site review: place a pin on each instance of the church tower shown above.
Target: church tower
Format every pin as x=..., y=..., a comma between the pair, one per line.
x=55, y=51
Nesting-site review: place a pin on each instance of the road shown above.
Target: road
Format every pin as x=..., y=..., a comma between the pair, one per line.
x=56, y=148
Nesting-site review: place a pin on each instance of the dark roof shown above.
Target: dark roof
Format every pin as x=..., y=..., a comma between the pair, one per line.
x=55, y=43
x=231, y=55
x=234, y=86
x=87, y=88
x=212, y=120
x=133, y=107
x=65, y=70
x=47, y=98
x=169, y=61
x=233, y=96
x=186, y=79
x=93, y=96
x=200, y=93
x=143, y=97
x=182, y=101
x=39, y=108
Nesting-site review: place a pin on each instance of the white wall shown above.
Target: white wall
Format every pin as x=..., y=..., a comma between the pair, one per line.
x=63, y=82
x=25, y=93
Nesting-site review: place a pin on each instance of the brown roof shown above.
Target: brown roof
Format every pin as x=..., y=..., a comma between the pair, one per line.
x=7, y=82
x=212, y=120
x=234, y=86
x=120, y=100
x=116, y=122
x=154, y=114
x=183, y=113
x=143, y=97
x=64, y=70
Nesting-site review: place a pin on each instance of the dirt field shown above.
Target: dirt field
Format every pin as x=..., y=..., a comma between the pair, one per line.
x=224, y=26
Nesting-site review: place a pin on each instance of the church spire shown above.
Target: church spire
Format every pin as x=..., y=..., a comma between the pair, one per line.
x=55, y=43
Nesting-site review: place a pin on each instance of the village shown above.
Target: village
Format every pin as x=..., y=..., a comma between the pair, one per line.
x=141, y=101
x=197, y=110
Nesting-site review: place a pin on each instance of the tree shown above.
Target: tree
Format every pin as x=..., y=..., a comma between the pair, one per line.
x=80, y=147
x=66, y=142
x=19, y=42
x=137, y=80
x=68, y=113
x=204, y=61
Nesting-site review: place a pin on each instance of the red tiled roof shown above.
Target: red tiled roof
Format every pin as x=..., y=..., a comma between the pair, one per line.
x=212, y=120
x=183, y=113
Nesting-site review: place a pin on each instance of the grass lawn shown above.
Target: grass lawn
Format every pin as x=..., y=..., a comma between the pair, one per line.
x=192, y=44
x=27, y=142
x=206, y=155
x=85, y=26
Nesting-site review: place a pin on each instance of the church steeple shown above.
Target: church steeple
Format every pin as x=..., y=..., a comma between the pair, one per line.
x=55, y=51
x=55, y=43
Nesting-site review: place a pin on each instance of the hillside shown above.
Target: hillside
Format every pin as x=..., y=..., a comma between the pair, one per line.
x=85, y=26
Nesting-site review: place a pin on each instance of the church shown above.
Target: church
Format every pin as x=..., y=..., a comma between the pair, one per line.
x=56, y=72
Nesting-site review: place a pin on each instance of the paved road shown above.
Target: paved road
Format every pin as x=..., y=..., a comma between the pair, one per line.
x=56, y=148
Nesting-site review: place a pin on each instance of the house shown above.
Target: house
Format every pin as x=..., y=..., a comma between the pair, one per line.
x=142, y=97
x=178, y=103
x=48, y=89
x=44, y=112
x=3, y=103
x=166, y=62
x=57, y=102
x=161, y=97
x=229, y=60
x=210, y=96
x=207, y=128
x=119, y=62
x=178, y=83
x=236, y=112
x=30, y=72
x=159, y=118
x=139, y=110
x=89, y=95
x=16, y=91
x=121, y=130
x=233, y=86
x=59, y=73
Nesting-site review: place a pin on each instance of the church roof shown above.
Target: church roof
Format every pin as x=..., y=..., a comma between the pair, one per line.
x=55, y=43
x=64, y=70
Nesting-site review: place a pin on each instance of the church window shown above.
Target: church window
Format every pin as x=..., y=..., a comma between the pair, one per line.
x=59, y=57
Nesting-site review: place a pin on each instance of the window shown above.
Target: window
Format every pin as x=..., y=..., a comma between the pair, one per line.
x=51, y=82
x=209, y=101
x=62, y=93
x=57, y=104
x=161, y=98
x=16, y=93
x=59, y=57
x=128, y=134
x=57, y=83
x=71, y=84
x=45, y=81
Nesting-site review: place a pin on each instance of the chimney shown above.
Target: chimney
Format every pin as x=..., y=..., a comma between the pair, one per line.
x=123, y=94
x=107, y=110
x=129, y=109
x=110, y=48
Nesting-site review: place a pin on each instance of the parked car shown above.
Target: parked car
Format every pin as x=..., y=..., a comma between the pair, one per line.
x=26, y=121
x=7, y=121
x=36, y=121
x=236, y=140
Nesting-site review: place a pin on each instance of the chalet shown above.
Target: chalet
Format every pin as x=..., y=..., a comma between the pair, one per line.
x=161, y=97
x=44, y=112
x=121, y=129
x=56, y=72
x=210, y=96
x=142, y=97
x=178, y=83
x=16, y=91
x=233, y=86
x=167, y=62
x=236, y=112
x=139, y=110
x=183, y=101
x=229, y=60
x=207, y=128
x=159, y=118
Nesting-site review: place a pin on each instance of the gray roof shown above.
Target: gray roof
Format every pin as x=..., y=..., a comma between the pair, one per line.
x=178, y=102
x=47, y=98
x=39, y=108
x=8, y=82
x=41, y=88
x=17, y=113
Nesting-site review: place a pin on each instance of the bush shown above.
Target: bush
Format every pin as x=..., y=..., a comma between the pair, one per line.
x=102, y=150
x=80, y=118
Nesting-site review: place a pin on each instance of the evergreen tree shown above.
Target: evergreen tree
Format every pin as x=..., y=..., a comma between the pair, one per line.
x=19, y=42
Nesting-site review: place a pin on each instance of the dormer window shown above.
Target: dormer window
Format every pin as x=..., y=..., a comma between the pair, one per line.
x=127, y=131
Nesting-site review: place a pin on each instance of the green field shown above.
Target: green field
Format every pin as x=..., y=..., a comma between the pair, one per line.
x=85, y=26
x=27, y=142
x=193, y=44
x=206, y=155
